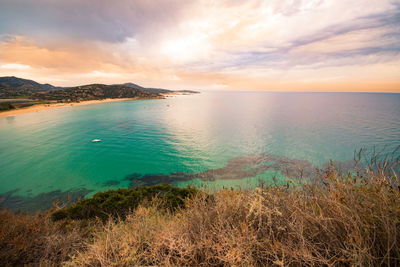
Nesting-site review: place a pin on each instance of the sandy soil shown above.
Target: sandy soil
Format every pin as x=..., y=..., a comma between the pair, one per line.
x=40, y=107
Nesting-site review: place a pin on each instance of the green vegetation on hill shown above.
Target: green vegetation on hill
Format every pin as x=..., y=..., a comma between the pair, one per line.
x=13, y=87
x=152, y=90
x=118, y=203
x=159, y=90
x=6, y=106
x=94, y=92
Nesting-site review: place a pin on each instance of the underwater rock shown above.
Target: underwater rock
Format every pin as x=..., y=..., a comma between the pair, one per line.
x=41, y=202
x=236, y=168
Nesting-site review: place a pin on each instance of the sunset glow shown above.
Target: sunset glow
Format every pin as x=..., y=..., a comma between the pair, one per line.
x=310, y=45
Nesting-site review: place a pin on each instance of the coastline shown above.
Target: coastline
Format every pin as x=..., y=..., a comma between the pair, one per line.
x=41, y=107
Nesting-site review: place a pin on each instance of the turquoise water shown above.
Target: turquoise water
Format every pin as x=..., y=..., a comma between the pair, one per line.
x=222, y=139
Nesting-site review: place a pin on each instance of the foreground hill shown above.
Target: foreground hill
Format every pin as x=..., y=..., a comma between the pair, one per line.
x=93, y=92
x=11, y=87
x=342, y=220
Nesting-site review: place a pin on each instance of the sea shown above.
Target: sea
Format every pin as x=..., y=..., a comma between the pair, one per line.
x=213, y=140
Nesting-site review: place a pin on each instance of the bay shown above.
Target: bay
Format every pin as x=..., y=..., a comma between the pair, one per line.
x=214, y=138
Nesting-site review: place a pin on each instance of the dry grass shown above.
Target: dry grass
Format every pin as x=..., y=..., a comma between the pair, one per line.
x=343, y=221
x=33, y=240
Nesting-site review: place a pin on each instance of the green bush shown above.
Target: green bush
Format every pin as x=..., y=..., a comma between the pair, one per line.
x=118, y=203
x=6, y=106
x=26, y=105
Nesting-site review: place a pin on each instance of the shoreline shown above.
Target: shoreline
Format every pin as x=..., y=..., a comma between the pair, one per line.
x=41, y=107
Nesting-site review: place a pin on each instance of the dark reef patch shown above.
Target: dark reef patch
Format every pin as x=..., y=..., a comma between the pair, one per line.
x=111, y=183
x=41, y=202
x=129, y=125
x=236, y=168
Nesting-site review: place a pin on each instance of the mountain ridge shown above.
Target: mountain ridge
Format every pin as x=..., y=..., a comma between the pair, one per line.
x=94, y=92
x=20, y=83
x=11, y=86
x=15, y=87
x=152, y=90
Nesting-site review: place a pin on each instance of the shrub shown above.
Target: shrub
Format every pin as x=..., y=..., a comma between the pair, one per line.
x=6, y=106
x=117, y=203
x=26, y=105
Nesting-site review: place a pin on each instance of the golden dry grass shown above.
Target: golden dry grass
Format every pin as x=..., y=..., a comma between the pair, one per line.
x=342, y=220
x=348, y=221
x=34, y=240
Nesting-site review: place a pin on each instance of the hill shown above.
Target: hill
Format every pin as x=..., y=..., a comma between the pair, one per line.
x=11, y=87
x=160, y=90
x=187, y=92
x=93, y=92
x=151, y=90
x=16, y=88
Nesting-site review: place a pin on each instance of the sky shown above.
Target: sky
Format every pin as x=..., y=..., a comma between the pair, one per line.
x=274, y=45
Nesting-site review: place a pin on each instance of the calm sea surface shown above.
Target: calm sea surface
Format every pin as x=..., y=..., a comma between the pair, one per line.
x=221, y=139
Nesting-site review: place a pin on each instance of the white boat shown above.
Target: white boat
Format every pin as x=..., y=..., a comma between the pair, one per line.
x=96, y=140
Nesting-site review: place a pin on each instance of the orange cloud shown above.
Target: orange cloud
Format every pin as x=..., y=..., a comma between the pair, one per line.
x=252, y=45
x=70, y=58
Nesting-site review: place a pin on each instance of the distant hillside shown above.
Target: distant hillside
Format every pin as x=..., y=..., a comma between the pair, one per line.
x=16, y=87
x=94, y=92
x=152, y=90
x=159, y=90
x=187, y=91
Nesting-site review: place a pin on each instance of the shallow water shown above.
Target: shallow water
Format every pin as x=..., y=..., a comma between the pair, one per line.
x=221, y=139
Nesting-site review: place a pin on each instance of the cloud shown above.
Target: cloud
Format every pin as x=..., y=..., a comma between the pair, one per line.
x=97, y=74
x=87, y=20
x=15, y=66
x=203, y=43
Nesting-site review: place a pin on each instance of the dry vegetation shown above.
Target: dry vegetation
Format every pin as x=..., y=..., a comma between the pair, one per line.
x=345, y=220
x=34, y=240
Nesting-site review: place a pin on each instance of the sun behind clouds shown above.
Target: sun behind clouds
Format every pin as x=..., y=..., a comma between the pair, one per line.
x=314, y=45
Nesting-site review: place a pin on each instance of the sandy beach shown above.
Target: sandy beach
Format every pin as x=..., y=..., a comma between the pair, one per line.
x=40, y=107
